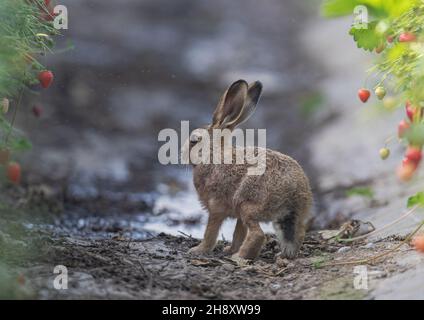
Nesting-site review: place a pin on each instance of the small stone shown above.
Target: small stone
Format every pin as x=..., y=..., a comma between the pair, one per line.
x=250, y=269
x=274, y=287
x=228, y=267
x=343, y=249
x=369, y=245
x=281, y=262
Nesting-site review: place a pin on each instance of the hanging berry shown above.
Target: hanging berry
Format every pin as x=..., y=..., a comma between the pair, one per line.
x=413, y=154
x=406, y=171
x=384, y=153
x=402, y=128
x=37, y=111
x=364, y=95
x=380, y=92
x=410, y=110
x=14, y=172
x=5, y=105
x=418, y=243
x=389, y=103
x=407, y=37
x=46, y=78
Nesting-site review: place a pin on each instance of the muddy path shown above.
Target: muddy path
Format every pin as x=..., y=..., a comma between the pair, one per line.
x=158, y=267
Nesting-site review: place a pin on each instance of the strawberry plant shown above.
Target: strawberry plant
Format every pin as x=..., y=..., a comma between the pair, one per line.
x=394, y=32
x=25, y=35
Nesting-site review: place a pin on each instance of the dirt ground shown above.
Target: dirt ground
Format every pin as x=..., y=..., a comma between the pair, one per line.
x=160, y=268
x=120, y=266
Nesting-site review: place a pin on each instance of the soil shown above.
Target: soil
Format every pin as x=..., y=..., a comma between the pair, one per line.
x=160, y=268
x=106, y=259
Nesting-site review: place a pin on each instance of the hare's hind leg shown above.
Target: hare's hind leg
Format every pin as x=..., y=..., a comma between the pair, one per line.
x=255, y=238
x=238, y=238
x=290, y=230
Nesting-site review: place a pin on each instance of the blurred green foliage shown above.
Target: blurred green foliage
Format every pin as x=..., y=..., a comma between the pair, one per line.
x=24, y=35
x=400, y=65
x=416, y=199
x=366, y=192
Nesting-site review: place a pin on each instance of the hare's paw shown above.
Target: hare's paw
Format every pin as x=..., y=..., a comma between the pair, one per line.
x=241, y=262
x=198, y=250
x=289, y=250
x=229, y=250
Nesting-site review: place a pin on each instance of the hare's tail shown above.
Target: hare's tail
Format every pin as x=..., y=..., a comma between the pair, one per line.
x=290, y=230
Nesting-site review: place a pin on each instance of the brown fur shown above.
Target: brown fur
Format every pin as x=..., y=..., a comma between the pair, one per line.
x=281, y=195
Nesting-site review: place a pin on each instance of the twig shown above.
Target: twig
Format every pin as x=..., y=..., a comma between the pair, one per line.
x=14, y=116
x=373, y=258
x=186, y=235
x=405, y=215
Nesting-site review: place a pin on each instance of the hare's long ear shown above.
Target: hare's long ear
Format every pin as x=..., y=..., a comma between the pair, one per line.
x=230, y=105
x=249, y=107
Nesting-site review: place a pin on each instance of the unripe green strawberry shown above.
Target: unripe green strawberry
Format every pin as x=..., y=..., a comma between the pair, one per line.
x=5, y=105
x=384, y=153
x=389, y=103
x=380, y=92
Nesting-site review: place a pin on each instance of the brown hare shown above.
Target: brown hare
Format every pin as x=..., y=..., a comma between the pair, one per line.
x=281, y=194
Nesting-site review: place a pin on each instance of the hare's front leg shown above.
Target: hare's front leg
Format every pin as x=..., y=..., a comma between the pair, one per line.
x=211, y=234
x=238, y=238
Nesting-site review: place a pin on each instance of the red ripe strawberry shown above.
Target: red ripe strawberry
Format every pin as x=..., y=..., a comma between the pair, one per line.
x=418, y=243
x=37, y=111
x=390, y=39
x=47, y=2
x=408, y=162
x=402, y=128
x=407, y=37
x=14, y=172
x=406, y=171
x=413, y=154
x=45, y=78
x=364, y=95
x=49, y=16
x=409, y=110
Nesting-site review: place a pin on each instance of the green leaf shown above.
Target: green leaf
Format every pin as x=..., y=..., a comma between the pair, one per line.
x=376, y=8
x=415, y=135
x=360, y=191
x=337, y=8
x=417, y=199
x=367, y=39
x=21, y=144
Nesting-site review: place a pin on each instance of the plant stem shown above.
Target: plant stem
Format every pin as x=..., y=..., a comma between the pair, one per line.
x=14, y=115
x=373, y=258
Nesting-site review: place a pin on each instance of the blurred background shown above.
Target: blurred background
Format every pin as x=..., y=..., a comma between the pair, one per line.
x=137, y=67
